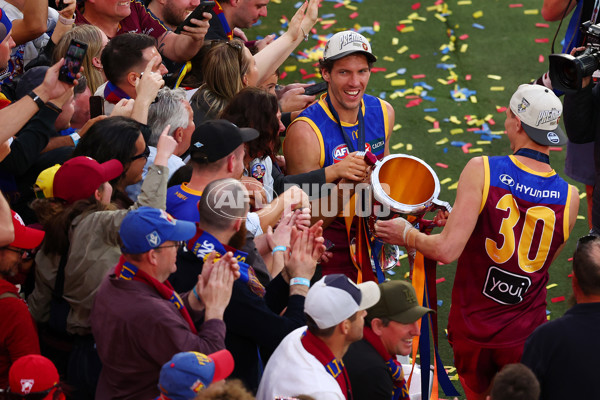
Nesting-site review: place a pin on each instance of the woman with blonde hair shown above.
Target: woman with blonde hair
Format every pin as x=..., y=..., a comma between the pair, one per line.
x=228, y=67
x=96, y=40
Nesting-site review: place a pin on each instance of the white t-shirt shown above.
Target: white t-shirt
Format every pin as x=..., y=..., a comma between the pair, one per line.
x=292, y=371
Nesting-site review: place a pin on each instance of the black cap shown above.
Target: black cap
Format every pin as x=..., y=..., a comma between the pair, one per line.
x=212, y=140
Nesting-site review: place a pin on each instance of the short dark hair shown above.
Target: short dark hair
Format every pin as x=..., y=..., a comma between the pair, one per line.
x=222, y=216
x=122, y=53
x=515, y=382
x=108, y=139
x=586, y=265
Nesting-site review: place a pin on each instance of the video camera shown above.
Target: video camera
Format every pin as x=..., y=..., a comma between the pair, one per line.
x=567, y=71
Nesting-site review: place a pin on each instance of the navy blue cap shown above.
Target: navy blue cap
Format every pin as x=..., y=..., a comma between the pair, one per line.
x=146, y=228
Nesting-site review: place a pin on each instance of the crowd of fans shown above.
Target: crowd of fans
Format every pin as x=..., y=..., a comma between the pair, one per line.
x=152, y=243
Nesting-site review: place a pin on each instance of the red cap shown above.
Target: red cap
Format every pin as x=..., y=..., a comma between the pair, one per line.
x=223, y=364
x=32, y=374
x=25, y=238
x=79, y=177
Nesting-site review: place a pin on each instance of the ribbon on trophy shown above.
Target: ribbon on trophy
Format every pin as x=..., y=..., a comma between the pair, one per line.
x=412, y=198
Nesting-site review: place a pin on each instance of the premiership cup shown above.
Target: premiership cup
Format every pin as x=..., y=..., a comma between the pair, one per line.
x=405, y=186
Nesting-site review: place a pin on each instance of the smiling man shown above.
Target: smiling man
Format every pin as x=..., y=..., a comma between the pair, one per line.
x=328, y=131
x=390, y=326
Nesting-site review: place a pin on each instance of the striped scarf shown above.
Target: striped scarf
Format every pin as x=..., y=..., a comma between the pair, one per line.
x=129, y=272
x=400, y=390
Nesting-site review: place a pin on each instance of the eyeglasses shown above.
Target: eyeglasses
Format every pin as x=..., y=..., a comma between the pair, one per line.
x=19, y=251
x=179, y=245
x=145, y=154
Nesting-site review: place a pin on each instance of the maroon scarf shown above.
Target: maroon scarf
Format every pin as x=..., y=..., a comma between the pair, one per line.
x=333, y=366
x=400, y=389
x=128, y=272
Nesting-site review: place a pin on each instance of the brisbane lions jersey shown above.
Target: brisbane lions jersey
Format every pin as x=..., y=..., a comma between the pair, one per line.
x=331, y=140
x=499, y=294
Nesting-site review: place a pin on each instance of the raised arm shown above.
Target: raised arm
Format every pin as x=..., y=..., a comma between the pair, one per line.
x=272, y=56
x=34, y=22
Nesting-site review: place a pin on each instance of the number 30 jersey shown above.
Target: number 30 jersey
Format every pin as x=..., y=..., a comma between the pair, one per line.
x=499, y=294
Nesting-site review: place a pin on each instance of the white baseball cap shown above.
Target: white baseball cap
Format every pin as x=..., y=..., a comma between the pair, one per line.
x=335, y=298
x=539, y=110
x=345, y=43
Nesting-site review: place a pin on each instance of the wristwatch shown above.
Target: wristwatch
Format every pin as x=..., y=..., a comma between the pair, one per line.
x=40, y=103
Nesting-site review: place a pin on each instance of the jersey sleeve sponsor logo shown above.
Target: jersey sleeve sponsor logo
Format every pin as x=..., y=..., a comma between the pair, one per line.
x=505, y=287
x=507, y=180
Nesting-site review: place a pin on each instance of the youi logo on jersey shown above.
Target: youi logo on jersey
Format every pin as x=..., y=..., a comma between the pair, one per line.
x=505, y=287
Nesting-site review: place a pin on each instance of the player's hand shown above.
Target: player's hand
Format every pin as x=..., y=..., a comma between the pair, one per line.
x=353, y=168
x=393, y=231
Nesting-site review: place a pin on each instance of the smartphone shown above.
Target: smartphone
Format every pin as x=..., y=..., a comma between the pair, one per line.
x=96, y=106
x=61, y=5
x=73, y=59
x=205, y=6
x=315, y=89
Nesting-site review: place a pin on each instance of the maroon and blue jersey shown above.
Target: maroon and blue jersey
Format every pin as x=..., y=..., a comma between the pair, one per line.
x=499, y=294
x=331, y=140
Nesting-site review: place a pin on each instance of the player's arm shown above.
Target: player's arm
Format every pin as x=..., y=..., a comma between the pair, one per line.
x=391, y=120
x=553, y=10
x=301, y=149
x=449, y=244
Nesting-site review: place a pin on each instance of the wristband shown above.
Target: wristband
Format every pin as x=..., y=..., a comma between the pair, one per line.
x=196, y=294
x=300, y=281
x=66, y=21
x=75, y=136
x=279, y=248
x=39, y=102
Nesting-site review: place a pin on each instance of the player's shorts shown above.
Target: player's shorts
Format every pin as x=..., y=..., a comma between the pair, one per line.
x=477, y=366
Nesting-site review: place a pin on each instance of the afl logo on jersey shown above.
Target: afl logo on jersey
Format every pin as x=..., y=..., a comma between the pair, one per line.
x=507, y=180
x=339, y=153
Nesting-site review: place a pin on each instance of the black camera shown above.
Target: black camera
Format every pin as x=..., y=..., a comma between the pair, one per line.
x=567, y=71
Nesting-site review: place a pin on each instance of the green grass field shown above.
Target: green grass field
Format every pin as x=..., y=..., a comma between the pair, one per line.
x=486, y=46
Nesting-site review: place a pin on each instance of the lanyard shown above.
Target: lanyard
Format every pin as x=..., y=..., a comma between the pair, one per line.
x=533, y=154
x=361, y=128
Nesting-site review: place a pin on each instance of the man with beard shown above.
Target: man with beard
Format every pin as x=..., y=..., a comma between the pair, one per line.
x=172, y=12
x=252, y=319
x=18, y=336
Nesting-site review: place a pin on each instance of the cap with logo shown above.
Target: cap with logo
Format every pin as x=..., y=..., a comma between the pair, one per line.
x=189, y=372
x=539, y=110
x=345, y=43
x=146, y=228
x=398, y=303
x=215, y=139
x=25, y=238
x=79, y=177
x=335, y=298
x=32, y=374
